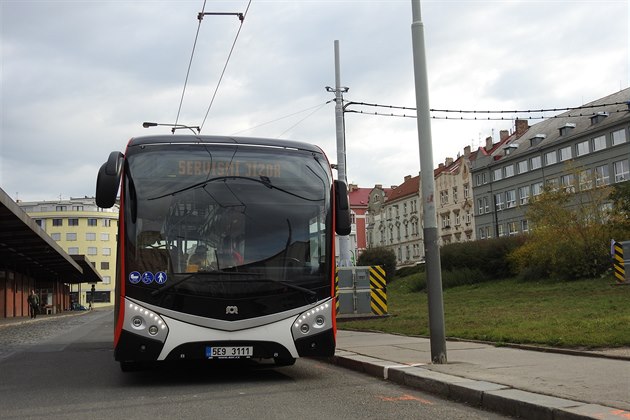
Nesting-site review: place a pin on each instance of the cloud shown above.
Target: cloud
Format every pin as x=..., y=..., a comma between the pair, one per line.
x=79, y=78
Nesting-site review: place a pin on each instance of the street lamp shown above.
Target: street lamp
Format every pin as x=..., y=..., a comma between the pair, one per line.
x=147, y=124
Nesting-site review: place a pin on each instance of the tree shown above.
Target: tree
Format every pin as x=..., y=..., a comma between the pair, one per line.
x=570, y=233
x=379, y=256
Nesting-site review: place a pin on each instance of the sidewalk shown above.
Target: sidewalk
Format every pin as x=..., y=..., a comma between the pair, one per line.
x=25, y=319
x=515, y=382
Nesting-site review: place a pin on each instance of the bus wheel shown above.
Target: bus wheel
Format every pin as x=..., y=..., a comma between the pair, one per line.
x=284, y=361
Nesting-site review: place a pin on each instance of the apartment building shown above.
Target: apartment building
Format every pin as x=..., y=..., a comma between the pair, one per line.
x=394, y=220
x=578, y=149
x=454, y=201
x=80, y=227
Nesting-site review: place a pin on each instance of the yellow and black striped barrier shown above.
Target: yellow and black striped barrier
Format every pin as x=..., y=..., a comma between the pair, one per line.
x=618, y=262
x=378, y=290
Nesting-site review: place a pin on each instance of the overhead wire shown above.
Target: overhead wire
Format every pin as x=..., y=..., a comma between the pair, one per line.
x=192, y=54
x=318, y=106
x=225, y=66
x=450, y=111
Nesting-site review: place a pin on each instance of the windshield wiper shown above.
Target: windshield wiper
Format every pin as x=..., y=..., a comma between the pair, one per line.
x=290, y=285
x=169, y=286
x=262, y=180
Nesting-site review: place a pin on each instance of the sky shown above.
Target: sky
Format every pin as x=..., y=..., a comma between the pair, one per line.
x=78, y=77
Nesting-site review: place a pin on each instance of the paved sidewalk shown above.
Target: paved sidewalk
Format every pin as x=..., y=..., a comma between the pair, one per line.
x=515, y=382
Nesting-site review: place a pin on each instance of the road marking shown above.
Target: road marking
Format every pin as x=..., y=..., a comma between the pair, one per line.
x=405, y=397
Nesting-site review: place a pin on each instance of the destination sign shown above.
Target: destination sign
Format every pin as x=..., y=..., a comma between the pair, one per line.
x=231, y=168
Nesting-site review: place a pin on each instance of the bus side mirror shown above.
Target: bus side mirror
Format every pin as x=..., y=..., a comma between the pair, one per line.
x=343, y=224
x=108, y=180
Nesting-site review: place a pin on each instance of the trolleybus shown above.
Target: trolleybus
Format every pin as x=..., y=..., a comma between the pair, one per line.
x=225, y=248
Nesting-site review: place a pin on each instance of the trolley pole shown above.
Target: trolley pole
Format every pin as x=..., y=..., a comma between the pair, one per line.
x=344, y=241
x=431, y=246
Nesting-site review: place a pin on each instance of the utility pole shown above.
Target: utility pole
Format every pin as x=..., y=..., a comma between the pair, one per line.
x=431, y=246
x=344, y=241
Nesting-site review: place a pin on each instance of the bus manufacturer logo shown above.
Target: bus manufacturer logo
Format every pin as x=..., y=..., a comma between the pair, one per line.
x=231, y=310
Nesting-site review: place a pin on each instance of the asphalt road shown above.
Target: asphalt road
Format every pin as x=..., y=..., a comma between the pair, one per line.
x=63, y=368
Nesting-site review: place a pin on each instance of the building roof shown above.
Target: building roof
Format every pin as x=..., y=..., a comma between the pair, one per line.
x=410, y=187
x=25, y=247
x=359, y=197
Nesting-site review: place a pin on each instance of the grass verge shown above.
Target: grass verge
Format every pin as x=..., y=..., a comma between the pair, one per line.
x=576, y=314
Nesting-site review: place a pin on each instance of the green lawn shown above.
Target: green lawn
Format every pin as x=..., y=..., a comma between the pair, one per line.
x=578, y=314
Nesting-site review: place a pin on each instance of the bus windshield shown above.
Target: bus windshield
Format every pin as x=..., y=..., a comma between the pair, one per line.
x=205, y=224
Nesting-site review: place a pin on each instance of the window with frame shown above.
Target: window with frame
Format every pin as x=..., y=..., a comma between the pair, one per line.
x=486, y=205
x=524, y=226
x=565, y=153
x=77, y=208
x=480, y=206
x=57, y=222
x=497, y=174
x=73, y=222
x=512, y=228
x=454, y=194
x=581, y=148
x=602, y=175
x=537, y=188
x=509, y=171
x=619, y=137
x=510, y=199
x=104, y=265
x=92, y=250
x=552, y=184
x=108, y=251
x=73, y=250
x=568, y=183
x=599, y=143
x=107, y=279
x=92, y=222
x=586, y=179
x=498, y=201
x=523, y=194
x=104, y=236
x=55, y=236
x=521, y=166
x=468, y=217
x=535, y=163
x=501, y=229
x=90, y=236
x=466, y=191
x=621, y=170
x=107, y=223
x=61, y=208
x=71, y=236
x=482, y=233
x=551, y=158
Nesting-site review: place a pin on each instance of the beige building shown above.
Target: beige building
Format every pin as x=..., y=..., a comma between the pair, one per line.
x=80, y=227
x=454, y=201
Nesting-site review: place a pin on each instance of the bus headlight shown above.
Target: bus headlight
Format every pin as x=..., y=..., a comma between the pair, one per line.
x=144, y=322
x=313, y=321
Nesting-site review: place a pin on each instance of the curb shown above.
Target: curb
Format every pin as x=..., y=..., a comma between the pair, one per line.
x=490, y=396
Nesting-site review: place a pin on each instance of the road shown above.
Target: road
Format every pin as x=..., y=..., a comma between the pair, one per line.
x=63, y=368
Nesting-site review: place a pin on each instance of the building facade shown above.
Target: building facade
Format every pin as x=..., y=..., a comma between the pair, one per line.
x=80, y=227
x=576, y=150
x=454, y=201
x=395, y=221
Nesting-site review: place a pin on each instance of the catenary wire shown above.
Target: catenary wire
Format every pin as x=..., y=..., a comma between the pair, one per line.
x=318, y=106
x=225, y=66
x=192, y=54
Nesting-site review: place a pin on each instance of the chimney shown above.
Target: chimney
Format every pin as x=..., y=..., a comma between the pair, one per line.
x=449, y=161
x=407, y=178
x=504, y=134
x=521, y=127
x=466, y=151
x=441, y=165
x=488, y=144
x=378, y=186
x=352, y=187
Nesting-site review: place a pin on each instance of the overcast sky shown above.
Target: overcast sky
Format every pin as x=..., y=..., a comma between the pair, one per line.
x=78, y=78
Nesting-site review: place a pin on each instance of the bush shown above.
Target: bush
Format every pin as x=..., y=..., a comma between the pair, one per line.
x=379, y=256
x=487, y=257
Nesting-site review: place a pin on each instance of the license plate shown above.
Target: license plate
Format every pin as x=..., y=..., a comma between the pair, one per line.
x=235, y=352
